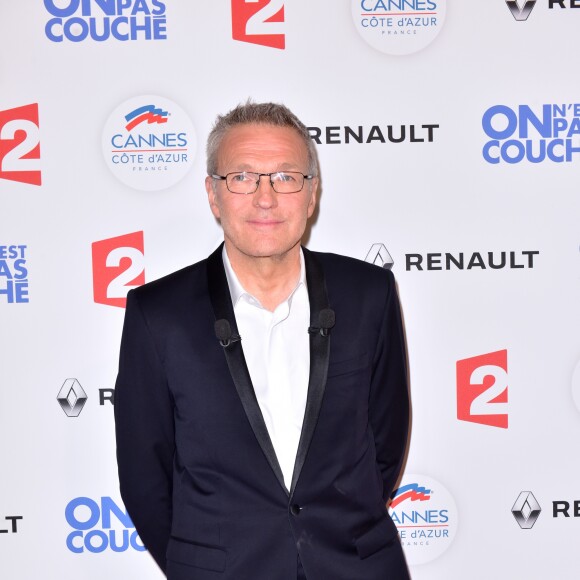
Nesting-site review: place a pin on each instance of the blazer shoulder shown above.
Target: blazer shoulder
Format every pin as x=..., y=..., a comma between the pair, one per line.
x=352, y=271
x=170, y=289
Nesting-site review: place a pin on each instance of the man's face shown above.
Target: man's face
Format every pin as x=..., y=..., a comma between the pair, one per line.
x=265, y=223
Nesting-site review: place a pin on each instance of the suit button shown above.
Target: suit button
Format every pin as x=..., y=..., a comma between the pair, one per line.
x=295, y=509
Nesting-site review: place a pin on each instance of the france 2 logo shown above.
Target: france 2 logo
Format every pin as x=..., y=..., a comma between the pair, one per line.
x=259, y=22
x=482, y=389
x=118, y=266
x=20, y=145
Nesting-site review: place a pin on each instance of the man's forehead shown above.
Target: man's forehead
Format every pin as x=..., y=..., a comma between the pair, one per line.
x=261, y=131
x=257, y=139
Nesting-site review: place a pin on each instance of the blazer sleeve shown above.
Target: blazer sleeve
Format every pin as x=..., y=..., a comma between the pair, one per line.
x=144, y=428
x=389, y=394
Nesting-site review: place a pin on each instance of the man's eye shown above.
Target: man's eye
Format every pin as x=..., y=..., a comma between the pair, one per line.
x=239, y=177
x=286, y=177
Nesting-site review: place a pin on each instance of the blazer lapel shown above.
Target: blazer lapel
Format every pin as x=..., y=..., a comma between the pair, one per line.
x=221, y=301
x=319, y=355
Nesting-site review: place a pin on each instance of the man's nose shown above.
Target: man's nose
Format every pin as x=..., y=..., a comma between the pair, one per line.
x=265, y=196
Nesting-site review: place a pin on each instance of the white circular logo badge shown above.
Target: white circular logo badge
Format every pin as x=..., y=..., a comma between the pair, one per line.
x=398, y=26
x=576, y=385
x=425, y=515
x=149, y=143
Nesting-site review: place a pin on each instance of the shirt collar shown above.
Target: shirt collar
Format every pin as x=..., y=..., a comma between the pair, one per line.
x=237, y=291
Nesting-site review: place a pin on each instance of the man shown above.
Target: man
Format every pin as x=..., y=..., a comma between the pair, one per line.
x=270, y=456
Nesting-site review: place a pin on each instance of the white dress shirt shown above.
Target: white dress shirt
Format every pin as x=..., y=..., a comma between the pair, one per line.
x=277, y=352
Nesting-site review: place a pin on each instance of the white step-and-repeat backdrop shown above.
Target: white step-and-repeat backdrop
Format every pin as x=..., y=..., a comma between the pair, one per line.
x=449, y=140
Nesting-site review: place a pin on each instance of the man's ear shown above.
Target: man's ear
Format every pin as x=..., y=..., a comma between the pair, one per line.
x=313, y=195
x=212, y=196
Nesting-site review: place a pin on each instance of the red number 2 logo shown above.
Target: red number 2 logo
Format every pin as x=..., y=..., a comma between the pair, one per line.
x=20, y=145
x=118, y=266
x=259, y=22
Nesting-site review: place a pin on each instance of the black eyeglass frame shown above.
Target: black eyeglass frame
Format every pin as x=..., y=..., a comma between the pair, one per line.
x=305, y=177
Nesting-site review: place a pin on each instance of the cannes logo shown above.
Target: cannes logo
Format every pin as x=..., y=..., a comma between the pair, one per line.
x=412, y=492
x=147, y=114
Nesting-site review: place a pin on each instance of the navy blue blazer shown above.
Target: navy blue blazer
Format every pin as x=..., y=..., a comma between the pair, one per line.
x=198, y=472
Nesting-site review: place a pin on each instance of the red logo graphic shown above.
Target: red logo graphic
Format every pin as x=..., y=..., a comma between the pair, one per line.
x=412, y=492
x=482, y=389
x=20, y=145
x=118, y=266
x=259, y=22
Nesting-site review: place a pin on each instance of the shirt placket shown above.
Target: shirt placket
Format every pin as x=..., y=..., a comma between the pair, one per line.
x=280, y=387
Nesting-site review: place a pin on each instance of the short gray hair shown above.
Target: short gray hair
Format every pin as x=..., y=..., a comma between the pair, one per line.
x=251, y=113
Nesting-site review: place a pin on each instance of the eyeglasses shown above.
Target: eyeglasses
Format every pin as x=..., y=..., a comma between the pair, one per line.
x=246, y=182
